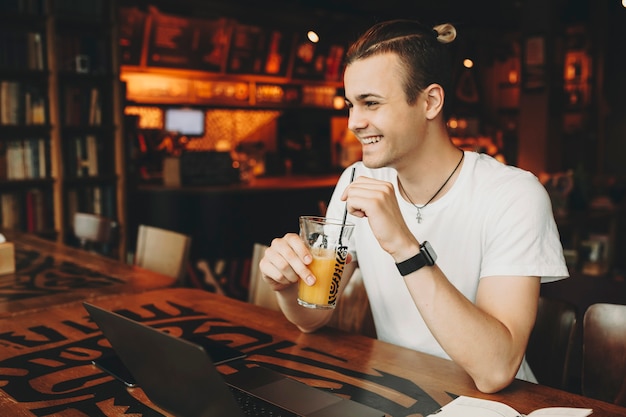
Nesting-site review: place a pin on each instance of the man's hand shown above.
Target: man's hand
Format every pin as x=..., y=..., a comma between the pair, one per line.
x=376, y=200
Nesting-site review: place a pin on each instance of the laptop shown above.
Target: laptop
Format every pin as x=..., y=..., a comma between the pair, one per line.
x=180, y=377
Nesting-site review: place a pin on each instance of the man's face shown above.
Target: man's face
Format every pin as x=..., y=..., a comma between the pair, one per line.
x=388, y=128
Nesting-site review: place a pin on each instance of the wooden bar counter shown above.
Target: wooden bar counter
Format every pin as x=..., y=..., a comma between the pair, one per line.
x=48, y=273
x=46, y=370
x=226, y=220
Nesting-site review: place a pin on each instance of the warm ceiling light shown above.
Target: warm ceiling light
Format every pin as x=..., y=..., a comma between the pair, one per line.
x=624, y=3
x=313, y=36
x=339, y=102
x=468, y=63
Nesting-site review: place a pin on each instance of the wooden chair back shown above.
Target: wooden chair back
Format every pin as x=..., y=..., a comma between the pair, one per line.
x=93, y=231
x=163, y=251
x=551, y=342
x=259, y=292
x=604, y=353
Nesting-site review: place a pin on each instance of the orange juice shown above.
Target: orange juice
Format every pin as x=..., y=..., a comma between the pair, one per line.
x=327, y=266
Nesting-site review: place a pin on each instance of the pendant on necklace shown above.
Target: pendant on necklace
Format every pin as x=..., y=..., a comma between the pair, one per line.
x=419, y=209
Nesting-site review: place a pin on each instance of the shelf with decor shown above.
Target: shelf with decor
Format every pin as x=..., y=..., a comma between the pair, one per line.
x=224, y=62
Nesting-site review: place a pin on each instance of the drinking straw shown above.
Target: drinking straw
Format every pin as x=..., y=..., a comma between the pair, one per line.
x=345, y=211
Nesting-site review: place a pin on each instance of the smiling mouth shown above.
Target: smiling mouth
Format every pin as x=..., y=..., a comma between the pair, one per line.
x=371, y=139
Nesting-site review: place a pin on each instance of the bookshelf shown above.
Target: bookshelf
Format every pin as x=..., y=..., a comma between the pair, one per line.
x=60, y=116
x=26, y=185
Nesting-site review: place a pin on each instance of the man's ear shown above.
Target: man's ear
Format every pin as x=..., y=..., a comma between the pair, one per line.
x=434, y=100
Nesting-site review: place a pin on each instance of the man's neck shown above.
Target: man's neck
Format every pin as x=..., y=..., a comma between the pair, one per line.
x=429, y=173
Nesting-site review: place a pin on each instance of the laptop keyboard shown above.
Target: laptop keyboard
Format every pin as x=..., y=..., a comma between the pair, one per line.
x=255, y=407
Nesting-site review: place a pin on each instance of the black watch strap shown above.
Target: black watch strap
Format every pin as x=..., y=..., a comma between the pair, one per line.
x=425, y=257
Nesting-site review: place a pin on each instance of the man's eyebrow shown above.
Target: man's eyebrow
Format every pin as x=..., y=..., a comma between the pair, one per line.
x=365, y=96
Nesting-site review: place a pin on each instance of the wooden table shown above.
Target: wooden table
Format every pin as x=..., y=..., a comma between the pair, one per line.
x=45, y=367
x=49, y=273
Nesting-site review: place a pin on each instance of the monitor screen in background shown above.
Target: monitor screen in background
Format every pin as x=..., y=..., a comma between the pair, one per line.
x=184, y=121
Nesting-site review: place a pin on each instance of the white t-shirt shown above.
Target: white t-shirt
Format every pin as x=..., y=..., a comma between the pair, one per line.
x=495, y=220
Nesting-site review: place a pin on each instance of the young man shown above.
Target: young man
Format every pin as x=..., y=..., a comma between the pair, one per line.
x=452, y=245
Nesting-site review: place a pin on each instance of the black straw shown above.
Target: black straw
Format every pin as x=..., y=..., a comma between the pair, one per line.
x=345, y=212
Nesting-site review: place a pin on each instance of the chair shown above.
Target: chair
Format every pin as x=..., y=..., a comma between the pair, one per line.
x=163, y=251
x=604, y=353
x=551, y=342
x=259, y=292
x=93, y=232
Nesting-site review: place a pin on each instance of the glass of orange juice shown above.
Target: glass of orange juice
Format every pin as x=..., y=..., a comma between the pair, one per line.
x=327, y=240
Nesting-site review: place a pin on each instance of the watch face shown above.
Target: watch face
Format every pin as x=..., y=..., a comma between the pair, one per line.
x=429, y=253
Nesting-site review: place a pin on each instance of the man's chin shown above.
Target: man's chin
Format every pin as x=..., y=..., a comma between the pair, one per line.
x=373, y=164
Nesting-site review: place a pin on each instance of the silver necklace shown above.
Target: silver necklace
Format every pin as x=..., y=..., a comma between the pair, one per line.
x=419, y=208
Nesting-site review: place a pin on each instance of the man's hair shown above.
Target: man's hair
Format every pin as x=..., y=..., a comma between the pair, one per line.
x=421, y=50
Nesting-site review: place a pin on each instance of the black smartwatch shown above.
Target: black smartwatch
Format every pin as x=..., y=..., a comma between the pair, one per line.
x=425, y=257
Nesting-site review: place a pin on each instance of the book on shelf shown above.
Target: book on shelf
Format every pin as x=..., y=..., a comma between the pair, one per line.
x=35, y=211
x=9, y=102
x=23, y=210
x=90, y=199
x=26, y=159
x=83, y=157
x=43, y=158
x=29, y=202
x=34, y=158
x=21, y=104
x=21, y=50
x=34, y=52
x=28, y=156
x=10, y=211
x=3, y=160
x=477, y=407
x=37, y=167
x=38, y=111
x=95, y=110
x=28, y=115
x=73, y=105
x=96, y=196
x=34, y=110
x=82, y=107
x=15, y=160
x=92, y=155
x=80, y=156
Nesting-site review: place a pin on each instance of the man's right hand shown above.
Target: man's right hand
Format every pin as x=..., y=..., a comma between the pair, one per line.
x=285, y=262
